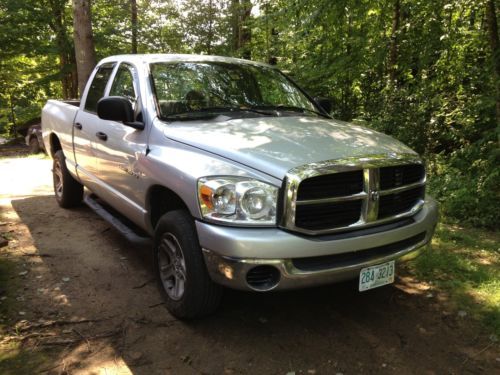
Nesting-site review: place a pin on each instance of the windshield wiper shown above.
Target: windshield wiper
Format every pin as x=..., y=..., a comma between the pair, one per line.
x=184, y=116
x=211, y=112
x=289, y=108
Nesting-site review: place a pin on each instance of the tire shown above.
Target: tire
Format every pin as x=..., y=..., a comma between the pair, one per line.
x=34, y=146
x=180, y=269
x=68, y=191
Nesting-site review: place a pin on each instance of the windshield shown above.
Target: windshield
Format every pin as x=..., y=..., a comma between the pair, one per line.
x=187, y=88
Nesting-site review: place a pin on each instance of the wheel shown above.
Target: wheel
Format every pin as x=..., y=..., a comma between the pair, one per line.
x=180, y=268
x=34, y=146
x=68, y=191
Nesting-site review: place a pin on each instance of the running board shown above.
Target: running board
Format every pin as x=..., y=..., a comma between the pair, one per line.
x=125, y=230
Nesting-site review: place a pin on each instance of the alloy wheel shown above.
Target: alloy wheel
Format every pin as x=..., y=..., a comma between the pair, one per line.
x=172, y=266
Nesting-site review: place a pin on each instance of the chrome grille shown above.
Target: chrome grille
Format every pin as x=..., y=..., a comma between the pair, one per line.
x=399, y=175
x=347, y=194
x=326, y=215
x=331, y=185
x=394, y=204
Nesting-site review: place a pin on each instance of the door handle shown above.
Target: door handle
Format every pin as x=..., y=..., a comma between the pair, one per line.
x=78, y=126
x=102, y=136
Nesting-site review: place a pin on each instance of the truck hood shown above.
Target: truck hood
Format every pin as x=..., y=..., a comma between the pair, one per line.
x=274, y=145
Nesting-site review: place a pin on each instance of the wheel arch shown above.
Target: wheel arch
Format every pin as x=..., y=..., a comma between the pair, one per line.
x=160, y=200
x=55, y=144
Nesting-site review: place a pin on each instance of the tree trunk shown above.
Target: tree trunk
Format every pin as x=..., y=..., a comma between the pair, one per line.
x=235, y=24
x=246, y=30
x=84, y=41
x=491, y=18
x=65, y=82
x=73, y=75
x=64, y=47
x=242, y=32
x=210, y=35
x=268, y=38
x=347, y=108
x=393, y=52
x=133, y=9
x=13, y=129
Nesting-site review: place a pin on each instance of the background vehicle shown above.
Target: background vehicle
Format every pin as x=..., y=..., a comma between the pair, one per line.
x=238, y=176
x=34, y=139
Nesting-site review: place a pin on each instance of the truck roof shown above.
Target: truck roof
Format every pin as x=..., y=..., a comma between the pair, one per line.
x=164, y=57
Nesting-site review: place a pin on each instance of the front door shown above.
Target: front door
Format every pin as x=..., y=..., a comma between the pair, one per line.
x=121, y=147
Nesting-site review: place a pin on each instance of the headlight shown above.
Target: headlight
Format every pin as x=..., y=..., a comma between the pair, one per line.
x=237, y=200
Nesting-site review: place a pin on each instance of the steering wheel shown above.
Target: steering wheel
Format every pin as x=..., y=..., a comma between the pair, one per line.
x=195, y=100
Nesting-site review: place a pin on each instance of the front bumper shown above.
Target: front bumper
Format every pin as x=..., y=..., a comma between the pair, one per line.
x=231, y=253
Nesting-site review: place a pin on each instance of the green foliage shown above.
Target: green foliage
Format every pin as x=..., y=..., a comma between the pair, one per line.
x=160, y=27
x=24, y=90
x=111, y=23
x=440, y=98
x=205, y=26
x=28, y=65
x=423, y=71
x=466, y=182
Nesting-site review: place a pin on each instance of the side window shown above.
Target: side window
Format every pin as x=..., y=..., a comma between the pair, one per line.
x=97, y=87
x=123, y=85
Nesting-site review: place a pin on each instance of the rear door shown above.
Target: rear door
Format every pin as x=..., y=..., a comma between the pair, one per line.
x=85, y=126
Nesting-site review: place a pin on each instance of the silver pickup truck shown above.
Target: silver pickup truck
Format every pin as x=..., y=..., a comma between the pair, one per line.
x=237, y=176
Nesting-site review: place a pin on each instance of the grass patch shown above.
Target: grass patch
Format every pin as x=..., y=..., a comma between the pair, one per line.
x=465, y=264
x=13, y=358
x=8, y=286
x=15, y=361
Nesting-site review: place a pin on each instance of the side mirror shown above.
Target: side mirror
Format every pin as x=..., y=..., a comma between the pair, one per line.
x=118, y=108
x=325, y=103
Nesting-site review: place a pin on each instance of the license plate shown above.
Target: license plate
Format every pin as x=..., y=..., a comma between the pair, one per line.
x=375, y=276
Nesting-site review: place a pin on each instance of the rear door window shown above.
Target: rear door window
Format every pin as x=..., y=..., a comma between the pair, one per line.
x=97, y=87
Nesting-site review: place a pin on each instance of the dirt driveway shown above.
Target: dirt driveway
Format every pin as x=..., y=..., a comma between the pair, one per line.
x=82, y=302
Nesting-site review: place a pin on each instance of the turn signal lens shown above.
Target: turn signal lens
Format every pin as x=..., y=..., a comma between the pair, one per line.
x=206, y=196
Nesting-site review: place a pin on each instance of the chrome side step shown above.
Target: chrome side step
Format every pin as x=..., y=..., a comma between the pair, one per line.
x=125, y=230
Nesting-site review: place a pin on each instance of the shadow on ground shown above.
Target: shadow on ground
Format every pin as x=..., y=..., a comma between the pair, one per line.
x=85, y=270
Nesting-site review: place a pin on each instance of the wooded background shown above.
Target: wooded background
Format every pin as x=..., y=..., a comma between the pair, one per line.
x=424, y=71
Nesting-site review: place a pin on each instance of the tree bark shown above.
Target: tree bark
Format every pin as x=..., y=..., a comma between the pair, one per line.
x=210, y=35
x=74, y=75
x=393, y=52
x=491, y=19
x=13, y=129
x=84, y=41
x=235, y=24
x=65, y=49
x=133, y=9
x=246, y=30
x=242, y=33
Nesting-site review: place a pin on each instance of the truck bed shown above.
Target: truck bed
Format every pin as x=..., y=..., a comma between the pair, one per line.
x=58, y=117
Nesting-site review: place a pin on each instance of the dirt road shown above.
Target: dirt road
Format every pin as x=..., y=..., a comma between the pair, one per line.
x=85, y=304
